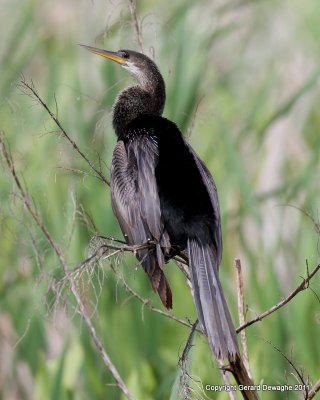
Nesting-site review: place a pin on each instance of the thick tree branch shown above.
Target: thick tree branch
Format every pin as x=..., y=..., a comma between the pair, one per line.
x=241, y=376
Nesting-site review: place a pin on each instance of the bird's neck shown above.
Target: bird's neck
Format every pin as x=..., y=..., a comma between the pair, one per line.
x=146, y=98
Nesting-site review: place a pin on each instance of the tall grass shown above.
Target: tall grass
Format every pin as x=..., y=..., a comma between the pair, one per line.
x=242, y=82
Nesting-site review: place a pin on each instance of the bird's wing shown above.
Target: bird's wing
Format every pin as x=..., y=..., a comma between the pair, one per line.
x=136, y=204
x=212, y=191
x=134, y=190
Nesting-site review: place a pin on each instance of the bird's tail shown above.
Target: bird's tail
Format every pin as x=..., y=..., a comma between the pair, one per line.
x=211, y=305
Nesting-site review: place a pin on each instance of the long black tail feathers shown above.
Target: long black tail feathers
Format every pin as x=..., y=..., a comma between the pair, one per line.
x=211, y=305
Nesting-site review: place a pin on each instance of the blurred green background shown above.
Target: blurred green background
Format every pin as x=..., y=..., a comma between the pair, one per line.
x=243, y=84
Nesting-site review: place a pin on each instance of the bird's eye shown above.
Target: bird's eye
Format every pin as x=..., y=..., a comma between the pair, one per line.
x=123, y=54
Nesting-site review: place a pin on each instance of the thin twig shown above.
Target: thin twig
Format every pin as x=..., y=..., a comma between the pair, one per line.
x=184, y=386
x=137, y=28
x=183, y=266
x=188, y=345
x=314, y=390
x=113, y=239
x=306, y=213
x=96, y=339
x=299, y=373
x=30, y=89
x=148, y=304
x=76, y=171
x=303, y=285
x=237, y=264
x=102, y=253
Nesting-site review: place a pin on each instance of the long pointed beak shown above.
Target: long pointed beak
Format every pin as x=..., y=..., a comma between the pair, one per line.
x=111, y=55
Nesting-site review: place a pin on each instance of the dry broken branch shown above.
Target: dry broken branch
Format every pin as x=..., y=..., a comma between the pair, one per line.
x=240, y=291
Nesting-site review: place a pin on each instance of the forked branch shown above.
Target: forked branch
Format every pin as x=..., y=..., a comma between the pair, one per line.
x=303, y=285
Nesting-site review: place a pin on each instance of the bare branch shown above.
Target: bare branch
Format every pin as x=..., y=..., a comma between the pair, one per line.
x=28, y=204
x=240, y=374
x=316, y=224
x=29, y=89
x=102, y=253
x=147, y=303
x=303, y=285
x=76, y=171
x=237, y=264
x=184, y=386
x=136, y=25
x=299, y=373
x=314, y=390
x=182, y=264
x=113, y=239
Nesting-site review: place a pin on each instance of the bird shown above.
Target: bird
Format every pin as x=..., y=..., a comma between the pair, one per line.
x=163, y=194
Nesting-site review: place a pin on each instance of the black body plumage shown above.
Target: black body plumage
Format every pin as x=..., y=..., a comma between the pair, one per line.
x=162, y=192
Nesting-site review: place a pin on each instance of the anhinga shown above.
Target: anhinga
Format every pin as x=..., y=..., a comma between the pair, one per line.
x=162, y=192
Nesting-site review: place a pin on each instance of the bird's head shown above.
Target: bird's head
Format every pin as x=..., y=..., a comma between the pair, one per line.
x=146, y=98
x=139, y=65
